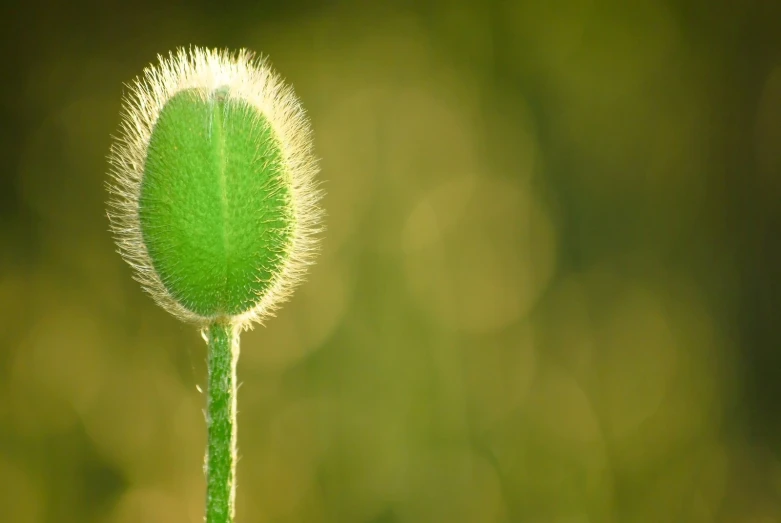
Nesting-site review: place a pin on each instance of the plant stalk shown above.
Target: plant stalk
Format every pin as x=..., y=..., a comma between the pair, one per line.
x=220, y=466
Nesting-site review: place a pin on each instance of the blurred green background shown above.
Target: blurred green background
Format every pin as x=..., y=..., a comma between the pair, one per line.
x=547, y=294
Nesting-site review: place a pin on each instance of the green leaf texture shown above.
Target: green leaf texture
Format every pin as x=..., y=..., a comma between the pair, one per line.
x=215, y=207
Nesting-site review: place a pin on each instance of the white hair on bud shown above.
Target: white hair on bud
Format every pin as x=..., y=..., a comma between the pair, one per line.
x=253, y=81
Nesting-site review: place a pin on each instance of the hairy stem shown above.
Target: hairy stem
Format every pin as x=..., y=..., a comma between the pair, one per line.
x=221, y=422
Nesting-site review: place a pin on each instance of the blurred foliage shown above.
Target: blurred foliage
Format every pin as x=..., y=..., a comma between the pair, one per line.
x=547, y=293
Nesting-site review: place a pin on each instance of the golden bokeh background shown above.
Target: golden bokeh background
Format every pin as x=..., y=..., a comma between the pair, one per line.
x=547, y=292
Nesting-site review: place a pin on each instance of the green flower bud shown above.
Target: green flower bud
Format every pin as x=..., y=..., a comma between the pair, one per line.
x=214, y=203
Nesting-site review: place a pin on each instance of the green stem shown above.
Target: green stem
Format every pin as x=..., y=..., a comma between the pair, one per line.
x=221, y=422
